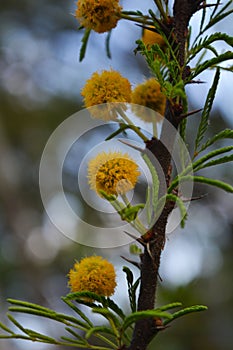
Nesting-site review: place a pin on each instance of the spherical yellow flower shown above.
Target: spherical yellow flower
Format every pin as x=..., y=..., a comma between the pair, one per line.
x=114, y=173
x=149, y=94
x=93, y=274
x=150, y=37
x=107, y=88
x=99, y=15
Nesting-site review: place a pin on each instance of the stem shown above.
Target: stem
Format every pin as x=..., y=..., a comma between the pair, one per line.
x=132, y=126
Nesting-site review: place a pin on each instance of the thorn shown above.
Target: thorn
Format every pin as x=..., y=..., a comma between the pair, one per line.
x=135, y=263
x=131, y=145
x=183, y=116
x=138, y=239
x=194, y=198
x=196, y=82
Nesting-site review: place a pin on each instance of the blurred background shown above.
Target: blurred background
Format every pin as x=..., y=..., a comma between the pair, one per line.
x=40, y=82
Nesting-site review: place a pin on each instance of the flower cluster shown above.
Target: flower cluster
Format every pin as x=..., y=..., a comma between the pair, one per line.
x=150, y=37
x=99, y=15
x=93, y=274
x=149, y=94
x=106, y=87
x=114, y=173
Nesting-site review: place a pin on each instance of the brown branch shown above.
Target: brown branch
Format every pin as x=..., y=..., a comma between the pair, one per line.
x=146, y=329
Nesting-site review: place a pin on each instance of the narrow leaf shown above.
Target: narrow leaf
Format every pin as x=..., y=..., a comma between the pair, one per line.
x=187, y=310
x=169, y=306
x=84, y=44
x=140, y=315
x=196, y=165
x=212, y=63
x=5, y=328
x=78, y=311
x=107, y=44
x=225, y=134
x=114, y=307
x=217, y=183
x=101, y=329
x=181, y=206
x=221, y=160
x=206, y=111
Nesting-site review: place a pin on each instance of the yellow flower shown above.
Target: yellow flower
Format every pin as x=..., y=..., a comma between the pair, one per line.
x=114, y=173
x=99, y=15
x=150, y=37
x=106, y=87
x=93, y=274
x=149, y=94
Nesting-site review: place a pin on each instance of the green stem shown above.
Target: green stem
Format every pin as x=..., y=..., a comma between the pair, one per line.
x=143, y=20
x=137, y=224
x=132, y=126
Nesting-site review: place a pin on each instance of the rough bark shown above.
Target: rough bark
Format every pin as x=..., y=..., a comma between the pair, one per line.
x=146, y=329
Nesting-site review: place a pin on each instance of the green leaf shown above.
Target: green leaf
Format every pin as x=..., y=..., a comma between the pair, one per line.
x=78, y=311
x=212, y=182
x=155, y=187
x=219, y=16
x=169, y=306
x=198, y=163
x=16, y=323
x=5, y=328
x=129, y=275
x=110, y=316
x=221, y=160
x=107, y=44
x=140, y=315
x=187, y=310
x=35, y=336
x=114, y=307
x=213, y=62
x=206, y=111
x=84, y=295
x=181, y=206
x=66, y=319
x=84, y=44
x=76, y=335
x=101, y=329
x=225, y=134
x=206, y=44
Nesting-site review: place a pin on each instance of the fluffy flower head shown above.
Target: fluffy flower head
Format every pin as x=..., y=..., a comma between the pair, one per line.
x=149, y=94
x=107, y=88
x=93, y=274
x=99, y=15
x=149, y=38
x=114, y=173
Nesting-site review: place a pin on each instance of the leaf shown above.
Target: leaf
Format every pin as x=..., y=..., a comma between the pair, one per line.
x=217, y=183
x=114, y=307
x=225, y=134
x=206, y=111
x=66, y=319
x=101, y=329
x=181, y=206
x=84, y=44
x=218, y=161
x=129, y=275
x=196, y=165
x=112, y=319
x=107, y=44
x=187, y=310
x=212, y=63
x=140, y=315
x=206, y=44
x=219, y=16
x=35, y=336
x=169, y=306
x=78, y=311
x=5, y=328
